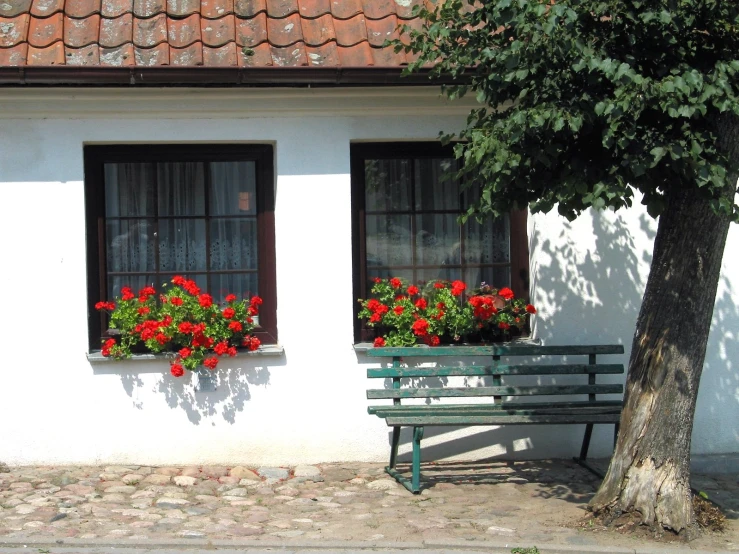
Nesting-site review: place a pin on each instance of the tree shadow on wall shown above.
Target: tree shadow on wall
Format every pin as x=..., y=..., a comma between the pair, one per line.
x=233, y=381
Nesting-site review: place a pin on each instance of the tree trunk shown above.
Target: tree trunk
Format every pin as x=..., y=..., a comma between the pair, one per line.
x=650, y=469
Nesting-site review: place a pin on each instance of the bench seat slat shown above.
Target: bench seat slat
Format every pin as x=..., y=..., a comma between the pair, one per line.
x=486, y=409
x=563, y=369
x=502, y=420
x=494, y=391
x=495, y=350
x=389, y=408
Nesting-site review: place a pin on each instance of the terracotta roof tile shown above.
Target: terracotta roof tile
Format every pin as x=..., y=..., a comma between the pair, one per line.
x=45, y=8
x=378, y=31
x=183, y=32
x=378, y=9
x=147, y=57
x=213, y=9
x=326, y=55
x=344, y=9
x=88, y=55
x=220, y=57
x=46, y=31
x=249, y=8
x=290, y=56
x=13, y=30
x=286, y=31
x=405, y=8
x=182, y=8
x=259, y=56
x=314, y=8
x=318, y=31
x=150, y=32
x=16, y=55
x=82, y=8
x=387, y=57
x=121, y=56
x=281, y=8
x=17, y=7
x=217, y=32
x=117, y=31
x=190, y=55
x=53, y=55
x=359, y=55
x=114, y=8
x=81, y=32
x=148, y=8
x=250, y=32
x=350, y=31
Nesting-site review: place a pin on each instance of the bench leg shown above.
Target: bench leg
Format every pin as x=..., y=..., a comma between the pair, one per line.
x=584, y=451
x=394, y=447
x=416, y=478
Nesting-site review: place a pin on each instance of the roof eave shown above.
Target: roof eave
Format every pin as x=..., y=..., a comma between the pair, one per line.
x=195, y=76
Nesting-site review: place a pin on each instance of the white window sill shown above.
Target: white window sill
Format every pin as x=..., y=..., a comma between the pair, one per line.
x=269, y=350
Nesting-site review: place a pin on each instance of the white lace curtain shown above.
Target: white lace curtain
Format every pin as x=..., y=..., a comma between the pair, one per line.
x=181, y=217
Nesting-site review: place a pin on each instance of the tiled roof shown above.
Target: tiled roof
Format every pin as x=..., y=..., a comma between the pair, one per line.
x=212, y=33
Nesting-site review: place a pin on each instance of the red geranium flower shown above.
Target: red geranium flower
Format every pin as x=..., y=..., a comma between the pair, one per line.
x=377, y=280
x=372, y=304
x=144, y=310
x=413, y=289
x=235, y=326
x=176, y=301
x=127, y=293
x=396, y=283
x=232, y=351
x=211, y=362
x=379, y=341
x=256, y=301
x=458, y=287
x=161, y=338
x=252, y=343
x=439, y=285
x=420, y=327
x=503, y=325
x=205, y=300
x=185, y=327
x=398, y=310
x=230, y=298
x=185, y=352
x=421, y=304
x=530, y=309
x=506, y=293
x=178, y=280
x=228, y=313
x=375, y=317
x=221, y=348
x=434, y=341
x=177, y=370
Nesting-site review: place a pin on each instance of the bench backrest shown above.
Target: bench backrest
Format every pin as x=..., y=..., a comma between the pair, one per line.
x=494, y=369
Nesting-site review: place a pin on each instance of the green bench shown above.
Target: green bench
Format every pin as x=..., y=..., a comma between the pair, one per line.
x=496, y=407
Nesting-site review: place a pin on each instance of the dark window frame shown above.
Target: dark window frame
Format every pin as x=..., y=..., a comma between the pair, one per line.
x=96, y=156
x=359, y=152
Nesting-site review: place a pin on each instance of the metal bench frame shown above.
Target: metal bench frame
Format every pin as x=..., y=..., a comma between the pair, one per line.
x=500, y=412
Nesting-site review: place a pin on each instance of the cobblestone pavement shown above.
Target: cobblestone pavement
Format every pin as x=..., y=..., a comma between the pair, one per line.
x=524, y=504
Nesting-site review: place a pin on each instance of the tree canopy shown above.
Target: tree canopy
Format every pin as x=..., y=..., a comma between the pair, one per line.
x=584, y=101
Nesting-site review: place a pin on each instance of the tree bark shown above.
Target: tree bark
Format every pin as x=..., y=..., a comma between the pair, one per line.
x=650, y=469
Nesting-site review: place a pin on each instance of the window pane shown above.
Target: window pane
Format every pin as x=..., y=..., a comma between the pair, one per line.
x=136, y=282
x=498, y=277
x=129, y=189
x=437, y=240
x=440, y=274
x=435, y=187
x=233, y=187
x=387, y=185
x=182, y=245
x=181, y=188
x=388, y=240
x=130, y=245
x=243, y=285
x=487, y=242
x=233, y=244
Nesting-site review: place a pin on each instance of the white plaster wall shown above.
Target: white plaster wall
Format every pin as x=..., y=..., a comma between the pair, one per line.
x=305, y=406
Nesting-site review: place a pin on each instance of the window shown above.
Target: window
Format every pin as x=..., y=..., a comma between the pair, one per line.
x=405, y=206
x=205, y=212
